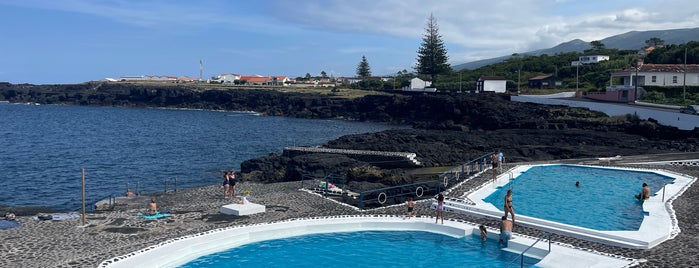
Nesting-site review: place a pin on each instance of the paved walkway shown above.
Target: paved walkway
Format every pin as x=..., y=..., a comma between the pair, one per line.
x=668, y=118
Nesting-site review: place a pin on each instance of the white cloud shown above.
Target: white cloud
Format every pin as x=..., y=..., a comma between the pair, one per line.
x=476, y=29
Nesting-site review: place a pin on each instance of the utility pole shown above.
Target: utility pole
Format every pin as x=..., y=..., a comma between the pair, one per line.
x=635, y=83
x=684, y=79
x=577, y=81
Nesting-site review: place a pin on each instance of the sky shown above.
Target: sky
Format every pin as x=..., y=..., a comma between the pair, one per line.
x=75, y=41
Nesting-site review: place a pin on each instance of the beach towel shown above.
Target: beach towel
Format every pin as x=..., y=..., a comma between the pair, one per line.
x=5, y=224
x=154, y=216
x=64, y=216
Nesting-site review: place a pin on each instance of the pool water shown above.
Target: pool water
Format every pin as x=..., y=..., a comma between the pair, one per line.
x=366, y=249
x=604, y=201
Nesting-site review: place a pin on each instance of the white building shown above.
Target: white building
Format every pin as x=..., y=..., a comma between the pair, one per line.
x=497, y=84
x=589, y=59
x=228, y=78
x=417, y=84
x=665, y=75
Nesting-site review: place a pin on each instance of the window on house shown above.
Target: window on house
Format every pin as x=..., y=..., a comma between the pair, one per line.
x=653, y=78
x=674, y=79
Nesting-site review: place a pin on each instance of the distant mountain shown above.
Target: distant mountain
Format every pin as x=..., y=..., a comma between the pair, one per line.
x=625, y=41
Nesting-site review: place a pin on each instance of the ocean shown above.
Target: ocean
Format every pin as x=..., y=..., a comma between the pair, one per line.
x=43, y=149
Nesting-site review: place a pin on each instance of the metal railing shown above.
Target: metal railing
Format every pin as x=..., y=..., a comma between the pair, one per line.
x=398, y=194
x=521, y=255
x=463, y=171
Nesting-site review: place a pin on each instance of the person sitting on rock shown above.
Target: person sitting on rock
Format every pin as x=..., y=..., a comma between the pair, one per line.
x=152, y=207
x=10, y=216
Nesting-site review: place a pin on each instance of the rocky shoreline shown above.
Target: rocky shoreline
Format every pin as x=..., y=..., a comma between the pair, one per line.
x=448, y=129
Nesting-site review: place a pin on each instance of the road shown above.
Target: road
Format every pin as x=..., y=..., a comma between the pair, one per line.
x=668, y=117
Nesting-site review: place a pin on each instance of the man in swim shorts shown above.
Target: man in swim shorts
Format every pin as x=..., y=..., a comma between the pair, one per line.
x=411, y=207
x=505, y=231
x=645, y=192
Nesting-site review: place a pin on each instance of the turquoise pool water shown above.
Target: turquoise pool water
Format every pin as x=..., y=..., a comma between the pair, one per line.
x=365, y=249
x=604, y=201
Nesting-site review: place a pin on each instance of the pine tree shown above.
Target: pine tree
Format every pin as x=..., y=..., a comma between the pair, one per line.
x=363, y=69
x=432, y=55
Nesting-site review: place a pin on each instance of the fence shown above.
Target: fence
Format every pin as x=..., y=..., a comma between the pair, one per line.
x=463, y=171
x=397, y=194
x=112, y=200
x=334, y=186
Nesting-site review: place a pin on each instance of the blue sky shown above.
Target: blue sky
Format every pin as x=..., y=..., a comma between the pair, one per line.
x=73, y=41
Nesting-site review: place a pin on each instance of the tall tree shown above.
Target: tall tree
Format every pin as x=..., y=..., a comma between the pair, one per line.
x=363, y=69
x=597, y=45
x=323, y=74
x=432, y=55
x=654, y=42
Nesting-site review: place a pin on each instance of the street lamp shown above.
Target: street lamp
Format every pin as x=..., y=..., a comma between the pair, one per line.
x=577, y=81
x=635, y=83
x=519, y=75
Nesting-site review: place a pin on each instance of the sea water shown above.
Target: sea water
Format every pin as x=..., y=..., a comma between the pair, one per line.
x=43, y=149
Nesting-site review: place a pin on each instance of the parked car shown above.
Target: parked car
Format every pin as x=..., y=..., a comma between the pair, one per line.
x=690, y=109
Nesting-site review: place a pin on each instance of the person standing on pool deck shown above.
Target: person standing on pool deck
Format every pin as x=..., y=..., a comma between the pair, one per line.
x=411, y=206
x=440, y=208
x=645, y=192
x=508, y=205
x=505, y=231
x=231, y=182
x=494, y=162
x=226, y=186
x=501, y=159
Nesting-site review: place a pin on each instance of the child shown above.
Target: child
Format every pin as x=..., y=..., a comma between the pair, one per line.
x=440, y=208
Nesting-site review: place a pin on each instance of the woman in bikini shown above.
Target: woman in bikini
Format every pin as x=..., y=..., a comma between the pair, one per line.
x=508, y=205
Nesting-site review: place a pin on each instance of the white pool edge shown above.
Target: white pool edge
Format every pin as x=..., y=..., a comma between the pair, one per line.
x=179, y=251
x=660, y=225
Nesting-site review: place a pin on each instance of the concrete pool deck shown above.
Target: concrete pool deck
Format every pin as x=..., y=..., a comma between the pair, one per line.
x=69, y=243
x=180, y=251
x=659, y=225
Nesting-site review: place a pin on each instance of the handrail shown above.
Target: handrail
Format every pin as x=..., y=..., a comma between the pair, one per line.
x=521, y=255
x=511, y=177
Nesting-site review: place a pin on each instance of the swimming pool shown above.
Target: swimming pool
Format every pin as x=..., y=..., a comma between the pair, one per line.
x=365, y=249
x=570, y=211
x=604, y=200
x=180, y=251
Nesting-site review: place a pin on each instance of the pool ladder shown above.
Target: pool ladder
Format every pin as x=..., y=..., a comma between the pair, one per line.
x=511, y=177
x=546, y=235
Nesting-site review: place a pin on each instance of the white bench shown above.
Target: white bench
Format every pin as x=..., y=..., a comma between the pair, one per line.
x=242, y=209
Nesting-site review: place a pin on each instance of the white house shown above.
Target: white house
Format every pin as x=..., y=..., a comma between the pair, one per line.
x=589, y=59
x=417, y=84
x=228, y=78
x=666, y=75
x=497, y=84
